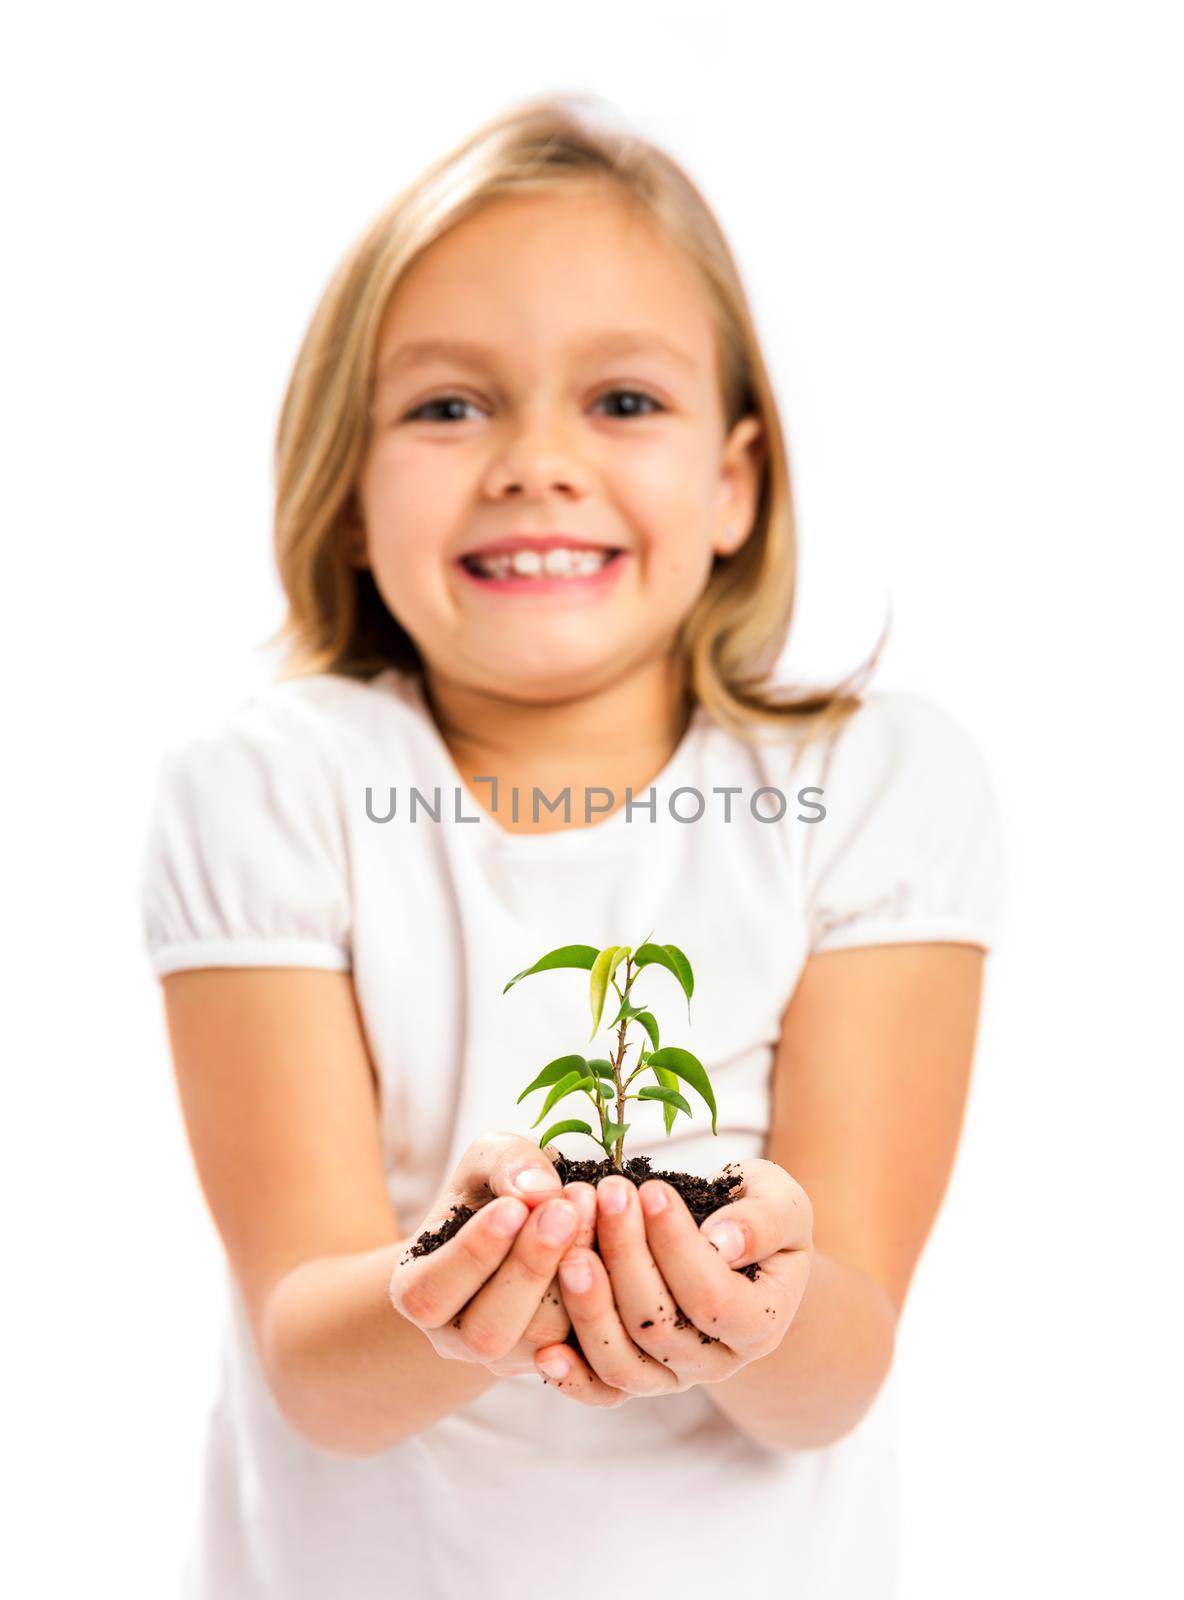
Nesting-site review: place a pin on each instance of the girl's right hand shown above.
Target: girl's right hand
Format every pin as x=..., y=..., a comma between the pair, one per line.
x=490, y=1295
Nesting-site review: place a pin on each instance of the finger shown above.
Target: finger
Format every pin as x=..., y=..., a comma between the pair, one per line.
x=562, y=1369
x=790, y=1271
x=551, y=1322
x=773, y=1213
x=429, y=1290
x=609, y=1352
x=583, y=1197
x=522, y=1169
x=720, y=1304
x=774, y=1300
x=644, y=1301
x=498, y=1315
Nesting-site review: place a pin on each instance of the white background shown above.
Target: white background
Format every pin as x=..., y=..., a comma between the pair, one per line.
x=960, y=228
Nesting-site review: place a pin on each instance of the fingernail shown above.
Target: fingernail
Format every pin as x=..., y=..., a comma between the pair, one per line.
x=535, y=1180
x=576, y=1276
x=557, y=1222
x=584, y=1200
x=727, y=1239
x=554, y=1367
x=508, y=1217
x=653, y=1199
x=613, y=1195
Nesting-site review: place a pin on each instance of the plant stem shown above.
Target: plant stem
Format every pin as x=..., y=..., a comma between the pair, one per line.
x=616, y=1154
x=600, y=1105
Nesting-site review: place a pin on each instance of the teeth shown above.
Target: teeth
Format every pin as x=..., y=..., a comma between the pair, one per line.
x=556, y=563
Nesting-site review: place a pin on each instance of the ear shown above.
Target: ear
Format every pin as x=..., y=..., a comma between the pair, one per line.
x=351, y=536
x=740, y=484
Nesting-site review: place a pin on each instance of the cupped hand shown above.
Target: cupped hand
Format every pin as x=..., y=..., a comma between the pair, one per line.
x=490, y=1294
x=664, y=1305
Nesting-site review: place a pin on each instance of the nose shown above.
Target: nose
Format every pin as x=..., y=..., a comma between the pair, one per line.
x=537, y=460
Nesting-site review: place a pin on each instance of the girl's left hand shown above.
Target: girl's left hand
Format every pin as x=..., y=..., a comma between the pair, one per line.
x=654, y=1264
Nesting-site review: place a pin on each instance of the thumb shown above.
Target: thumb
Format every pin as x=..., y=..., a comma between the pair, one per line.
x=522, y=1169
x=773, y=1213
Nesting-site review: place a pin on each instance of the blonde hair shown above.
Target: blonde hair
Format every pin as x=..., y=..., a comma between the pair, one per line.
x=336, y=619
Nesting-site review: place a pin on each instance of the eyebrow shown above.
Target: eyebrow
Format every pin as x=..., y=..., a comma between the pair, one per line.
x=620, y=342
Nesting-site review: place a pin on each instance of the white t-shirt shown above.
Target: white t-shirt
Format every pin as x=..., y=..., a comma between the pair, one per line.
x=265, y=850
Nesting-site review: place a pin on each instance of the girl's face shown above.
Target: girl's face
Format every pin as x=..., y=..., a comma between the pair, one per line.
x=570, y=395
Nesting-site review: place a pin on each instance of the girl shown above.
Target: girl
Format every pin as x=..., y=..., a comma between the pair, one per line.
x=533, y=524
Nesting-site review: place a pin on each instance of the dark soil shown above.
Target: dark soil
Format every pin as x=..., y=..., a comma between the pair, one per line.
x=701, y=1195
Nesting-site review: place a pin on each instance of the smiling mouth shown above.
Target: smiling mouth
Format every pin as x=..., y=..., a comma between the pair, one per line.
x=533, y=565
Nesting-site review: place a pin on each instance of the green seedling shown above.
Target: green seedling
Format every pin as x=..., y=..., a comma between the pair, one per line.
x=602, y=1078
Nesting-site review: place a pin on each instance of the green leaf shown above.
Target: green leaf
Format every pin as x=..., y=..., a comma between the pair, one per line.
x=684, y=1065
x=649, y=1023
x=668, y=1080
x=603, y=967
x=554, y=1070
x=601, y=1067
x=573, y=1125
x=606, y=1090
x=566, y=1085
x=672, y=958
x=614, y=1131
x=670, y=1096
x=570, y=955
x=627, y=1012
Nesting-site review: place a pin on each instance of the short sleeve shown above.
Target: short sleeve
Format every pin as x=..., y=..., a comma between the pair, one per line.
x=245, y=862
x=911, y=846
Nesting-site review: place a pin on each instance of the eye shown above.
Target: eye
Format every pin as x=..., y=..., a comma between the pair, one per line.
x=633, y=395
x=457, y=403
x=444, y=400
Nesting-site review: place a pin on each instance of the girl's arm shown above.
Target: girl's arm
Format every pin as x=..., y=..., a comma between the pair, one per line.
x=870, y=1086
x=280, y=1105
